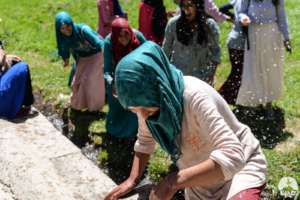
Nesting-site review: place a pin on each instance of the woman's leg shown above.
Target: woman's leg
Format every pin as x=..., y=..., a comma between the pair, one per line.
x=229, y=90
x=269, y=110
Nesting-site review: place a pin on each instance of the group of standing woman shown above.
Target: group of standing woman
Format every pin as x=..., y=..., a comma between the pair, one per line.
x=150, y=97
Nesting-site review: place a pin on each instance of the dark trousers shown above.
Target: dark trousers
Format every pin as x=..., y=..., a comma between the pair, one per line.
x=229, y=90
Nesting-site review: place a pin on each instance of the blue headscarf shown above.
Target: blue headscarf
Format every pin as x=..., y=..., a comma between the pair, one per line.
x=146, y=78
x=82, y=42
x=64, y=43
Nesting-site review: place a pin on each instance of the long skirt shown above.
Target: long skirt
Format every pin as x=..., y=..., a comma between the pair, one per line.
x=88, y=84
x=262, y=79
x=120, y=123
x=15, y=90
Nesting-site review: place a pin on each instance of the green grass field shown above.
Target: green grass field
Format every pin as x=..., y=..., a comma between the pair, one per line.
x=27, y=27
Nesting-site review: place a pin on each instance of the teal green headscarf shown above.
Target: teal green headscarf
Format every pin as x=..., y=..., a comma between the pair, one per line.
x=65, y=42
x=146, y=78
x=81, y=43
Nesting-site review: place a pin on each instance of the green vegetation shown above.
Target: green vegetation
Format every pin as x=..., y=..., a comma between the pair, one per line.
x=27, y=27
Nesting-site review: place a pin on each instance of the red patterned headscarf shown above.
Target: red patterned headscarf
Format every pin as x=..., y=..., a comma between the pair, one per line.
x=119, y=51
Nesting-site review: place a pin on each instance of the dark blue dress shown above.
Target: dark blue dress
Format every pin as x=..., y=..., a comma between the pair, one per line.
x=15, y=90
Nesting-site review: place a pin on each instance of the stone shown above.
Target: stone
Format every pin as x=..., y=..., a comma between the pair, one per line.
x=37, y=162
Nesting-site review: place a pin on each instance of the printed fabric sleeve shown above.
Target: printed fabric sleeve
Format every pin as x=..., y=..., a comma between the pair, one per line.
x=93, y=38
x=145, y=143
x=212, y=9
x=169, y=38
x=227, y=149
x=214, y=43
x=282, y=20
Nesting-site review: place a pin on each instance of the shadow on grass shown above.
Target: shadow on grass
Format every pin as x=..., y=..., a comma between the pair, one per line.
x=269, y=131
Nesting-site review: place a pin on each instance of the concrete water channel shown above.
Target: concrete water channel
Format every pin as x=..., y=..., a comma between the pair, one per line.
x=37, y=162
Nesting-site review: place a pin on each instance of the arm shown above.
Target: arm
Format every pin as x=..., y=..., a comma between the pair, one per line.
x=228, y=152
x=139, y=163
x=144, y=146
x=170, y=32
x=212, y=9
x=243, y=13
x=63, y=51
x=12, y=59
x=92, y=37
x=108, y=61
x=204, y=174
x=214, y=43
x=282, y=20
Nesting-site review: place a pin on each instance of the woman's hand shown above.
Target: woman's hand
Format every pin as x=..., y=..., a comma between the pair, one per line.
x=120, y=190
x=245, y=20
x=12, y=59
x=140, y=161
x=66, y=62
x=165, y=189
x=288, y=46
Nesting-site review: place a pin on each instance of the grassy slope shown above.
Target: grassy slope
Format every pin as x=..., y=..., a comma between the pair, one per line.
x=28, y=30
